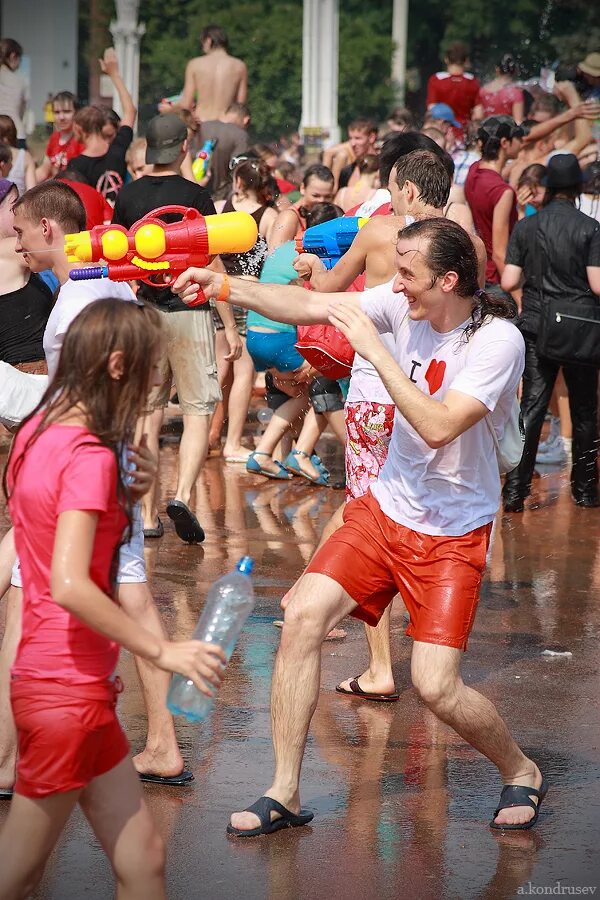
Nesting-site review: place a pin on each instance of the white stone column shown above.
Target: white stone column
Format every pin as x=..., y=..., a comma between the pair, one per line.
x=319, y=124
x=127, y=34
x=399, y=36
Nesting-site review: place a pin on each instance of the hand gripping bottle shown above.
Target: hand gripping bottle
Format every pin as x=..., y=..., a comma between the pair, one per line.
x=229, y=602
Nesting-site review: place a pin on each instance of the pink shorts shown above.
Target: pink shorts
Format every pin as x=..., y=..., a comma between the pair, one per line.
x=67, y=734
x=369, y=430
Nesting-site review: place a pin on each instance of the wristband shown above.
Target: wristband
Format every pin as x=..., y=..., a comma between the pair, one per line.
x=224, y=290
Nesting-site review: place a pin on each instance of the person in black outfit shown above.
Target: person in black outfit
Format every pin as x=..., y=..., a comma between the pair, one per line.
x=102, y=164
x=25, y=300
x=189, y=355
x=557, y=251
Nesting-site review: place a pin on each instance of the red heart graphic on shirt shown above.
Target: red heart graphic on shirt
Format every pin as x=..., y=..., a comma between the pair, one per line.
x=434, y=376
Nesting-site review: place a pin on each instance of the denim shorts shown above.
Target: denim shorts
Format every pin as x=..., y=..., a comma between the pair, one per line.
x=273, y=350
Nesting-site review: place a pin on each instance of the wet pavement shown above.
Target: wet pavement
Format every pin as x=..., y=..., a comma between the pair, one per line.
x=401, y=803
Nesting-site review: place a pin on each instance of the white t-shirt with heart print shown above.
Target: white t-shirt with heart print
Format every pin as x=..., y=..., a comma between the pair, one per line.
x=455, y=489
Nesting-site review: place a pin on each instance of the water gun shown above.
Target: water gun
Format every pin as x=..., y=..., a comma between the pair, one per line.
x=330, y=240
x=202, y=161
x=155, y=251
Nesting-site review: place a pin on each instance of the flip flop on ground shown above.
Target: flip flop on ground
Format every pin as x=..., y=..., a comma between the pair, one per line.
x=263, y=808
x=184, y=777
x=520, y=795
x=357, y=691
x=187, y=526
x=157, y=531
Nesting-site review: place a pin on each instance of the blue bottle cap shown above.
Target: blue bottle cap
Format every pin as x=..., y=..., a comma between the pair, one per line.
x=245, y=565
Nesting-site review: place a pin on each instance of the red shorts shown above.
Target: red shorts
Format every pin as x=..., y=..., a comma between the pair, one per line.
x=67, y=734
x=373, y=558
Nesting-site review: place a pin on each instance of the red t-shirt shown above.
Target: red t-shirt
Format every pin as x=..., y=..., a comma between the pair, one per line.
x=65, y=468
x=458, y=91
x=61, y=154
x=97, y=210
x=499, y=103
x=483, y=190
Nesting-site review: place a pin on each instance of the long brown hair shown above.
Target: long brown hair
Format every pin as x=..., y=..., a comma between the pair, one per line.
x=450, y=249
x=82, y=379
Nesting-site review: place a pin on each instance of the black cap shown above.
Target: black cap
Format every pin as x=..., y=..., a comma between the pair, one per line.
x=499, y=127
x=165, y=135
x=563, y=171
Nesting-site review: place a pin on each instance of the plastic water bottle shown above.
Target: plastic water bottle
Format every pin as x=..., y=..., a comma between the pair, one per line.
x=229, y=602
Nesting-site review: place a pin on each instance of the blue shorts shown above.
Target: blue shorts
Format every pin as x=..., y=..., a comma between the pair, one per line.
x=273, y=350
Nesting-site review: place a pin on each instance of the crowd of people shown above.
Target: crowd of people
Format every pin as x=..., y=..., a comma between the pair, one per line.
x=473, y=226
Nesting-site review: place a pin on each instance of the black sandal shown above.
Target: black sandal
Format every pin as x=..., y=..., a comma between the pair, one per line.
x=187, y=526
x=520, y=795
x=263, y=808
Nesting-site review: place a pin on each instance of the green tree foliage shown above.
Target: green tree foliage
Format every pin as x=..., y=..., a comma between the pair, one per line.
x=267, y=34
x=536, y=32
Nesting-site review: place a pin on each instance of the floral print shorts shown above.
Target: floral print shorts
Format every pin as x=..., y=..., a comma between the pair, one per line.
x=368, y=429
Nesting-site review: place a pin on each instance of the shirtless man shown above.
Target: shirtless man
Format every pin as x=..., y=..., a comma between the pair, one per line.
x=213, y=81
x=362, y=134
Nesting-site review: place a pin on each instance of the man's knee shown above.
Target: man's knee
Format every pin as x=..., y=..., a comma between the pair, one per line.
x=147, y=864
x=311, y=612
x=435, y=688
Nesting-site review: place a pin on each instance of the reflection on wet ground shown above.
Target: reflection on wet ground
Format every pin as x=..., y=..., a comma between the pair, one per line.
x=401, y=804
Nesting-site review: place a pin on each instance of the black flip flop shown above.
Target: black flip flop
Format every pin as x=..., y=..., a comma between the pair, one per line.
x=263, y=808
x=187, y=526
x=357, y=691
x=520, y=795
x=6, y=793
x=184, y=777
x=155, y=532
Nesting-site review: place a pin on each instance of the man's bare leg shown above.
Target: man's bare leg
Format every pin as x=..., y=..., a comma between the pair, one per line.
x=317, y=605
x=151, y=425
x=161, y=755
x=193, y=450
x=436, y=676
x=378, y=677
x=8, y=651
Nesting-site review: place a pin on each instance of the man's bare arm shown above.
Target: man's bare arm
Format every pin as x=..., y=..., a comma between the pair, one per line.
x=437, y=422
x=242, y=91
x=110, y=67
x=282, y=303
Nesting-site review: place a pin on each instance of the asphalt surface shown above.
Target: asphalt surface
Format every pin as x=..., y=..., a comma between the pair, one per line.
x=401, y=804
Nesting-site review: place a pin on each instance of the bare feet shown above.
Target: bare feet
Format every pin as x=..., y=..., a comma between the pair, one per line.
x=246, y=821
x=235, y=454
x=520, y=815
x=379, y=683
x=157, y=762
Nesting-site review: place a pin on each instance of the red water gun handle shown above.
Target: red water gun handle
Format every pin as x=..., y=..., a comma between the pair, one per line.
x=200, y=250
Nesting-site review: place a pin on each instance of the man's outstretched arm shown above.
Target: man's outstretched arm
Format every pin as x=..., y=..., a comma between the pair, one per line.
x=282, y=303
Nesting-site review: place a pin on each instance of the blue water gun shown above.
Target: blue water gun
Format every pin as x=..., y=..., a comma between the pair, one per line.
x=202, y=161
x=330, y=240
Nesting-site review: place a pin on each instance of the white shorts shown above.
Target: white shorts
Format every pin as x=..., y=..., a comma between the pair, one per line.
x=20, y=393
x=132, y=564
